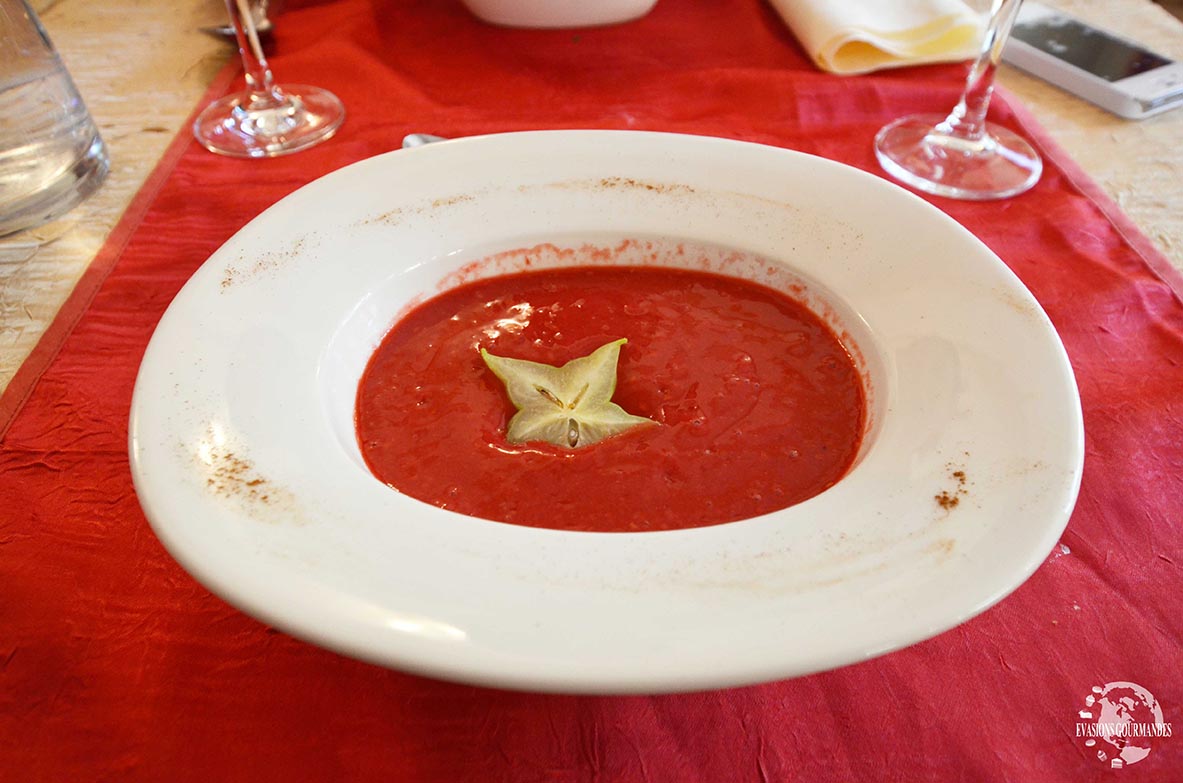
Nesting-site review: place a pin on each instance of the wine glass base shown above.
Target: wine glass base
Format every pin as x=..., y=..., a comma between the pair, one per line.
x=263, y=125
x=1000, y=165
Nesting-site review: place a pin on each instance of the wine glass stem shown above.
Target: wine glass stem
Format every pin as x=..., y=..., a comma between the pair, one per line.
x=967, y=121
x=258, y=72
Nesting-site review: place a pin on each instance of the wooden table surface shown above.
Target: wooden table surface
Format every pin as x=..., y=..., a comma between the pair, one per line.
x=142, y=66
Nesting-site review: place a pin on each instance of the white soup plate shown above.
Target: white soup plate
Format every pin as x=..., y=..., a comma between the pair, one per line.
x=246, y=463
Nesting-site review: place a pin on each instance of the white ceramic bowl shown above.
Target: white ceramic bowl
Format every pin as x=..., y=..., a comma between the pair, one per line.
x=245, y=460
x=558, y=13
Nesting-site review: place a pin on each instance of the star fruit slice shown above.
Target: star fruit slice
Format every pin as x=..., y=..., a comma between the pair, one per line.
x=569, y=406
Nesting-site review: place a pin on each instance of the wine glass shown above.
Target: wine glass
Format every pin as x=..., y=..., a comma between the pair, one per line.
x=962, y=155
x=265, y=119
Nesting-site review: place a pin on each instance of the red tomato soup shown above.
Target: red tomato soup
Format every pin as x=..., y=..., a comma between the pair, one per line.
x=759, y=404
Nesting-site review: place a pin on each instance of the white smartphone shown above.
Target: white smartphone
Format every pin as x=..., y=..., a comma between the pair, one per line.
x=1112, y=72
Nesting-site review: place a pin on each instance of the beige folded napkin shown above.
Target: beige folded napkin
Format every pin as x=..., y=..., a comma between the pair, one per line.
x=857, y=36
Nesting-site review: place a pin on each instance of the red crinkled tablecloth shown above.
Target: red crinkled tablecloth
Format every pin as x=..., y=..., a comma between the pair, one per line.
x=116, y=666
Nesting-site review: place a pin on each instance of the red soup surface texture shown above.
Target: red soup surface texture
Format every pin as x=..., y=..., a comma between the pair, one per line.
x=759, y=404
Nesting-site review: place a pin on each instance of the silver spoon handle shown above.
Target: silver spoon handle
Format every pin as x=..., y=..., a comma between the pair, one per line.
x=420, y=139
